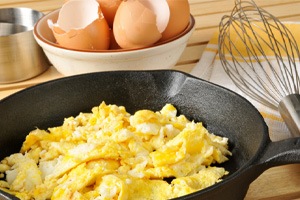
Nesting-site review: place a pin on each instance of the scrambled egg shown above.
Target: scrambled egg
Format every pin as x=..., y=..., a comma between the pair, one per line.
x=111, y=154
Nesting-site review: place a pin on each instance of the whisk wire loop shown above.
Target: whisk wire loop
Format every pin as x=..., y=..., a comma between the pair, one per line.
x=243, y=83
x=248, y=36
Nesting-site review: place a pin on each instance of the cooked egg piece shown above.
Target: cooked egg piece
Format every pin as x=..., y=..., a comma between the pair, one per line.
x=24, y=175
x=203, y=179
x=109, y=153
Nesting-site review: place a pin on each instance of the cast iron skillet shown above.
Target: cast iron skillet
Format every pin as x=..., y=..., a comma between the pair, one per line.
x=222, y=111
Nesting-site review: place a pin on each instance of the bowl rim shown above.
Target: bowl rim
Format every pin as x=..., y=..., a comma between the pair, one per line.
x=190, y=27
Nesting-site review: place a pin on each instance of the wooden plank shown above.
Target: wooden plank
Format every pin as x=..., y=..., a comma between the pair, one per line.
x=274, y=184
x=278, y=183
x=184, y=67
x=50, y=74
x=43, y=6
x=6, y=93
x=192, y=54
x=226, y=6
x=213, y=20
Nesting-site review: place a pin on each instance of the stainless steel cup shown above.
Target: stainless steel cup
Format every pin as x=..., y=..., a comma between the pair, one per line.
x=21, y=57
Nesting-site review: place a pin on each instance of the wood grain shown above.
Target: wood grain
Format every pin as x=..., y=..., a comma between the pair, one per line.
x=278, y=183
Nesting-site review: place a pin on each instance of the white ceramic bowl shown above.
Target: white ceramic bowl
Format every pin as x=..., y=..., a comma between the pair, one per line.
x=70, y=62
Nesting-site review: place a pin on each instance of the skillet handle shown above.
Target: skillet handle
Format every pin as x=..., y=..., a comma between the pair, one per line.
x=281, y=153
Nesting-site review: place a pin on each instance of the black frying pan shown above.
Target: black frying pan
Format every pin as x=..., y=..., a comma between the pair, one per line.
x=222, y=111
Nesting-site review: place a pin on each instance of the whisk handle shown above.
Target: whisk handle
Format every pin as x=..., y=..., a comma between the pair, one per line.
x=289, y=108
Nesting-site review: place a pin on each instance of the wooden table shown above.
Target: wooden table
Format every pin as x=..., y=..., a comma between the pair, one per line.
x=278, y=183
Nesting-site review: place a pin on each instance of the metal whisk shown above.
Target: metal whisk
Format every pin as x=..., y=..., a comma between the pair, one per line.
x=262, y=58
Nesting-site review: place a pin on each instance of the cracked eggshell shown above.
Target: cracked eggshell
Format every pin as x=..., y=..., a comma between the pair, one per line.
x=140, y=23
x=87, y=29
x=109, y=9
x=179, y=18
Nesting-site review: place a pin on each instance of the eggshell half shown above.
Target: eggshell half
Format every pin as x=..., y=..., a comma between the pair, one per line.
x=109, y=9
x=179, y=18
x=139, y=23
x=87, y=29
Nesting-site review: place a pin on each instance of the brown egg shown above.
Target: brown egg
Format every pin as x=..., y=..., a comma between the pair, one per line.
x=86, y=30
x=113, y=43
x=109, y=9
x=139, y=23
x=179, y=18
